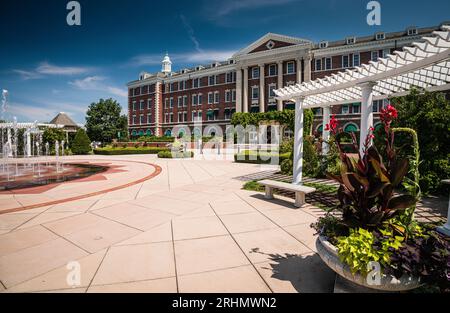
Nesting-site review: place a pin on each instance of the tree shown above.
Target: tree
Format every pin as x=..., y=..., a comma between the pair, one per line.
x=81, y=144
x=429, y=115
x=104, y=121
x=51, y=135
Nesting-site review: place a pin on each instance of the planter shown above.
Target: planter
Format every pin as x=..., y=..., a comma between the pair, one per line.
x=329, y=254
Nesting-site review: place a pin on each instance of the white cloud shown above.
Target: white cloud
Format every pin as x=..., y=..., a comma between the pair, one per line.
x=46, y=69
x=194, y=57
x=224, y=8
x=97, y=83
x=44, y=112
x=191, y=33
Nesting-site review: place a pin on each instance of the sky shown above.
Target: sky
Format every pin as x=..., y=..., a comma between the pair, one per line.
x=48, y=66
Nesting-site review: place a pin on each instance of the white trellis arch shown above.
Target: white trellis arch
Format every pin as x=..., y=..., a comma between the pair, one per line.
x=425, y=64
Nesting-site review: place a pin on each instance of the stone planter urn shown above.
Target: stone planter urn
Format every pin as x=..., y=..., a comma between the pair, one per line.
x=329, y=254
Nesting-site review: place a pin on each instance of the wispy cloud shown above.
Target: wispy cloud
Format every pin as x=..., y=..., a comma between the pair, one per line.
x=44, y=111
x=97, y=83
x=47, y=69
x=191, y=33
x=224, y=8
x=195, y=57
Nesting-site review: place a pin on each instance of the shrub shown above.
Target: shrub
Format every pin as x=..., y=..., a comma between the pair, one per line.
x=81, y=144
x=286, y=167
x=175, y=155
x=156, y=139
x=129, y=150
x=311, y=164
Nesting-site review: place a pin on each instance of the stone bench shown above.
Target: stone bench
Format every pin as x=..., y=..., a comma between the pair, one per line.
x=300, y=191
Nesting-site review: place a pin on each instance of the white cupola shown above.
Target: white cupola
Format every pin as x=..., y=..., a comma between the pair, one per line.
x=166, y=65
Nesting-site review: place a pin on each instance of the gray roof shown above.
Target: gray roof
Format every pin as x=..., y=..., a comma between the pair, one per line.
x=63, y=119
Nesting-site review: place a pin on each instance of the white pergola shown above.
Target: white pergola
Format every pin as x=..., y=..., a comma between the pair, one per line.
x=425, y=64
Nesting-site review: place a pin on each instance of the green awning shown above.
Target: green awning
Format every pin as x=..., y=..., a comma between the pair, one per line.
x=350, y=128
x=210, y=113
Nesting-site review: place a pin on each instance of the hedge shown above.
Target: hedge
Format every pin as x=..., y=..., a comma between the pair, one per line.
x=129, y=150
x=177, y=155
x=249, y=157
x=155, y=139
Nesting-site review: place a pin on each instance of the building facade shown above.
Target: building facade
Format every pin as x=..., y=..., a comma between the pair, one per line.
x=245, y=83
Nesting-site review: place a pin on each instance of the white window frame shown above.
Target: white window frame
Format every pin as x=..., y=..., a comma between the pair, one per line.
x=348, y=61
x=272, y=87
x=319, y=62
x=359, y=59
x=133, y=120
x=227, y=96
x=179, y=103
x=185, y=101
x=149, y=103
x=255, y=72
x=171, y=102
x=331, y=64
x=210, y=97
x=200, y=99
x=272, y=66
x=216, y=97
x=255, y=88
x=194, y=100
x=233, y=95
x=134, y=106
x=345, y=111
x=372, y=54
x=293, y=67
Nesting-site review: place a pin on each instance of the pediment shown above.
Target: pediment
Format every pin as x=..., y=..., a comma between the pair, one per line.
x=272, y=41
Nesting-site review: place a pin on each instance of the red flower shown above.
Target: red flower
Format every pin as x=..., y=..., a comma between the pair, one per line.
x=333, y=125
x=388, y=114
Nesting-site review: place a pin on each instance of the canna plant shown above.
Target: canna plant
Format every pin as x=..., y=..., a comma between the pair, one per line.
x=367, y=182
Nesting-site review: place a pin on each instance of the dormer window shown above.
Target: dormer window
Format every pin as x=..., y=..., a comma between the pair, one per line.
x=184, y=71
x=412, y=31
x=323, y=44
x=215, y=64
x=380, y=36
x=198, y=68
x=230, y=61
x=350, y=40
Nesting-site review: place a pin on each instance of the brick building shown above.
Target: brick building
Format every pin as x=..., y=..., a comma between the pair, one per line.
x=245, y=83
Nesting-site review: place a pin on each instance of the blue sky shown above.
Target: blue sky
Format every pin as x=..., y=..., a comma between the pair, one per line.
x=49, y=67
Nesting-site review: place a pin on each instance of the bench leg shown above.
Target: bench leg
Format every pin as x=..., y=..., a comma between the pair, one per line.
x=299, y=199
x=269, y=193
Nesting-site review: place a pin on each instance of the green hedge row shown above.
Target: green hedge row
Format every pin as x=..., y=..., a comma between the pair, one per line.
x=155, y=139
x=177, y=155
x=129, y=150
x=255, y=157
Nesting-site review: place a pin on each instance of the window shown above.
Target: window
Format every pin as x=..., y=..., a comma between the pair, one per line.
x=141, y=105
x=134, y=120
x=171, y=102
x=356, y=60
x=142, y=90
x=194, y=100
x=290, y=68
x=185, y=100
x=149, y=103
x=179, y=102
x=386, y=52
x=412, y=31
x=227, y=114
x=344, y=109
x=345, y=61
x=166, y=118
x=317, y=111
x=350, y=40
x=272, y=88
x=318, y=65
x=196, y=82
x=199, y=99
x=233, y=95
x=211, y=80
x=328, y=64
x=231, y=77
x=351, y=128
x=374, y=56
x=194, y=115
x=141, y=119
x=171, y=117
x=272, y=69
x=210, y=98
x=185, y=116
x=166, y=103
x=380, y=36
x=134, y=105
x=255, y=72
x=323, y=44
x=183, y=85
x=180, y=117
x=216, y=97
x=356, y=108
x=255, y=93
x=149, y=118
x=227, y=96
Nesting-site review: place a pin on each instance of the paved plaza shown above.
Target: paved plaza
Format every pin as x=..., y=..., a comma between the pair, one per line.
x=152, y=225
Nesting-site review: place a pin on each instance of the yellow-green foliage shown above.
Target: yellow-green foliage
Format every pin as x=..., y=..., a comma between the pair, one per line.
x=362, y=247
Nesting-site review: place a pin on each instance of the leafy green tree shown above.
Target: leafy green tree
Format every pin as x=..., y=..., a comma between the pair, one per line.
x=429, y=115
x=104, y=121
x=81, y=144
x=51, y=135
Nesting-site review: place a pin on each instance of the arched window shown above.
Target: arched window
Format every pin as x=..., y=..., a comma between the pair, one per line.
x=141, y=133
x=168, y=133
x=320, y=128
x=378, y=126
x=149, y=132
x=133, y=133
x=197, y=132
x=350, y=128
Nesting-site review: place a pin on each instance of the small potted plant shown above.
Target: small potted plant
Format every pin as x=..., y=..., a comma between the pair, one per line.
x=373, y=242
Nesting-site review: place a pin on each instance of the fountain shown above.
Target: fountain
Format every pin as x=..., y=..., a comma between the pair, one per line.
x=24, y=166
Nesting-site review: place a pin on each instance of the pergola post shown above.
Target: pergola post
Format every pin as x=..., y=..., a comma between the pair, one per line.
x=366, y=112
x=298, y=142
x=325, y=133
